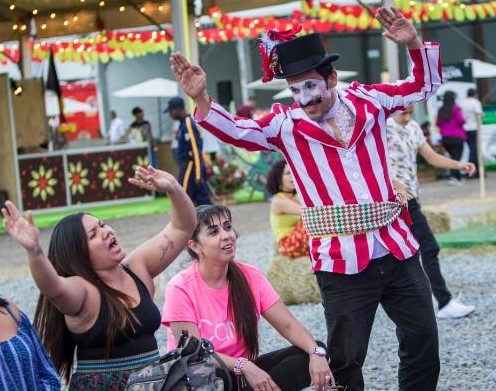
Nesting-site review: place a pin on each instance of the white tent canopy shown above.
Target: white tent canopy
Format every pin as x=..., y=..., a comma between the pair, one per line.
x=481, y=69
x=153, y=88
x=286, y=93
x=279, y=84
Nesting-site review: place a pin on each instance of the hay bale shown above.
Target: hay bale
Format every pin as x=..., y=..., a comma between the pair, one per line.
x=293, y=279
x=438, y=221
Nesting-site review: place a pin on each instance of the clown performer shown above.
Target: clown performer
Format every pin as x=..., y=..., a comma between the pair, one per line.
x=361, y=248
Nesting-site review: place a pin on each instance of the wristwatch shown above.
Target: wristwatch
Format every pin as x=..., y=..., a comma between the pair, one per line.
x=319, y=351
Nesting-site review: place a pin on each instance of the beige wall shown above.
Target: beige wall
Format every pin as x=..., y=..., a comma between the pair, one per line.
x=29, y=113
x=7, y=161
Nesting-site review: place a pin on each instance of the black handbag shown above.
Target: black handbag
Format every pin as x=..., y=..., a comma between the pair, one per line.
x=188, y=367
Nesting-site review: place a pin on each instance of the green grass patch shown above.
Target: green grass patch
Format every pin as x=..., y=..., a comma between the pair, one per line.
x=47, y=219
x=474, y=236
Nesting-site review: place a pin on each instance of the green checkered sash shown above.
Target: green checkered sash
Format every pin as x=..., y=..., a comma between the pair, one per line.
x=349, y=219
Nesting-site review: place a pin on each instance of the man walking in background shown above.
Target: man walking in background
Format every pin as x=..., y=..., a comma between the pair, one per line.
x=405, y=140
x=189, y=153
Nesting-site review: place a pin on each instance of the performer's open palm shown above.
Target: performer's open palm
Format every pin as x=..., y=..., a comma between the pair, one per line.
x=397, y=28
x=191, y=77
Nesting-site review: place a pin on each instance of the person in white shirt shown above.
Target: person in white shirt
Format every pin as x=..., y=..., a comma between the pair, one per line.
x=472, y=111
x=406, y=140
x=116, y=131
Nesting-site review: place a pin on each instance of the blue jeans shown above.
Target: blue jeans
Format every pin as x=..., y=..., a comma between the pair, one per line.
x=350, y=303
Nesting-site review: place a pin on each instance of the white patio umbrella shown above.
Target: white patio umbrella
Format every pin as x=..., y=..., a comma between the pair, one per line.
x=153, y=88
x=481, y=69
x=284, y=94
x=279, y=84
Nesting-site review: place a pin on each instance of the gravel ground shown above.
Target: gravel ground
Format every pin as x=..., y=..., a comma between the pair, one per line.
x=468, y=353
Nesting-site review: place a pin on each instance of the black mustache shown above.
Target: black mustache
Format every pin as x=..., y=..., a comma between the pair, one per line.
x=315, y=101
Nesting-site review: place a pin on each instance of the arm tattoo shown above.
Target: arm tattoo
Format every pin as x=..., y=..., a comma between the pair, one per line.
x=165, y=248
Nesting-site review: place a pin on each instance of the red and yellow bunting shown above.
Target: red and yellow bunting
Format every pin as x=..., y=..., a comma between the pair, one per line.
x=103, y=47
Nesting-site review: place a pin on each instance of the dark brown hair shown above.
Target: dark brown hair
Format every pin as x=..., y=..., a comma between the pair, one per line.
x=69, y=254
x=241, y=303
x=325, y=71
x=274, y=177
x=446, y=110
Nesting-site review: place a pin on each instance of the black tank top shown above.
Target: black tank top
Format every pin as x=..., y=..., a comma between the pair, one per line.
x=91, y=344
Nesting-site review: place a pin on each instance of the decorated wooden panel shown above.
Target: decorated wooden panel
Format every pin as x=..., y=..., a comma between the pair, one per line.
x=103, y=176
x=42, y=182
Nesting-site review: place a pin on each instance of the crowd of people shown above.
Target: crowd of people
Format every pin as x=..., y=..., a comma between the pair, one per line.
x=344, y=203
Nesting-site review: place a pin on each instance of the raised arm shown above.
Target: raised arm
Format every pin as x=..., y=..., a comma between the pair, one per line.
x=67, y=294
x=192, y=80
x=425, y=77
x=240, y=132
x=156, y=254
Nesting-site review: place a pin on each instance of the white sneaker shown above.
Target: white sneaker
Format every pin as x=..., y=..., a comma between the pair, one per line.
x=455, y=309
x=455, y=182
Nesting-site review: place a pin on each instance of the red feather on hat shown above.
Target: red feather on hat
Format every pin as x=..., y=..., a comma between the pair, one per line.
x=269, y=40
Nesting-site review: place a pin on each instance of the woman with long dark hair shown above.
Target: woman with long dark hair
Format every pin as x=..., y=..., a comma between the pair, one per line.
x=95, y=300
x=24, y=362
x=450, y=122
x=221, y=299
x=290, y=271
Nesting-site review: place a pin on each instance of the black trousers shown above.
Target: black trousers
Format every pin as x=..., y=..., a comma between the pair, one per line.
x=472, y=147
x=350, y=303
x=429, y=253
x=288, y=367
x=454, y=146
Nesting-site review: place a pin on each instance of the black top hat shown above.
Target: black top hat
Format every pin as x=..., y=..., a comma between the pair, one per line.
x=300, y=55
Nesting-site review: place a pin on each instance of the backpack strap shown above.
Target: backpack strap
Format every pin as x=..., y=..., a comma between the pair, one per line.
x=224, y=367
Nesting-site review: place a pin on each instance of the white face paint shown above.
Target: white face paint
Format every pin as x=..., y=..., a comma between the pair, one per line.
x=308, y=90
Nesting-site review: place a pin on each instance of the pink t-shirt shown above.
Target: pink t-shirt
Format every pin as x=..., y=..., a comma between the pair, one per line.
x=189, y=299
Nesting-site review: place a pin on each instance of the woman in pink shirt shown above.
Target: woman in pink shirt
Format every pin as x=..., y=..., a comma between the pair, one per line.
x=221, y=299
x=450, y=122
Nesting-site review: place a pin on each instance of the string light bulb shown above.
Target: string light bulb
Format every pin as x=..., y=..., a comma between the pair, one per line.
x=43, y=26
x=52, y=15
x=143, y=9
x=122, y=8
x=101, y=3
x=12, y=7
x=35, y=11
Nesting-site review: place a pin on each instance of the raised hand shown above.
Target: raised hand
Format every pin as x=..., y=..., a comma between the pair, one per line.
x=24, y=231
x=397, y=28
x=191, y=78
x=150, y=178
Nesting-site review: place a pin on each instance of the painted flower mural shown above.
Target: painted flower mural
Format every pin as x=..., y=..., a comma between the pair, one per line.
x=78, y=178
x=111, y=174
x=42, y=183
x=141, y=161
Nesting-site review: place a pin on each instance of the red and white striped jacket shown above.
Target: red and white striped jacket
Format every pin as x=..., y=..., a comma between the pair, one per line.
x=326, y=173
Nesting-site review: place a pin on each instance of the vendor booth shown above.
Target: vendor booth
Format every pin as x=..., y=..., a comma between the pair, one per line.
x=36, y=178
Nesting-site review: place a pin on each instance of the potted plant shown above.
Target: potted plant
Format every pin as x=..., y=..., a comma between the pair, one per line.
x=224, y=179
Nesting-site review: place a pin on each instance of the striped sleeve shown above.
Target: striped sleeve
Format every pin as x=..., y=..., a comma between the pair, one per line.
x=252, y=135
x=423, y=82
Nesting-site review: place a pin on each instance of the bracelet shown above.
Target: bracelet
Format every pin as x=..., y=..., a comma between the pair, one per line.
x=238, y=366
